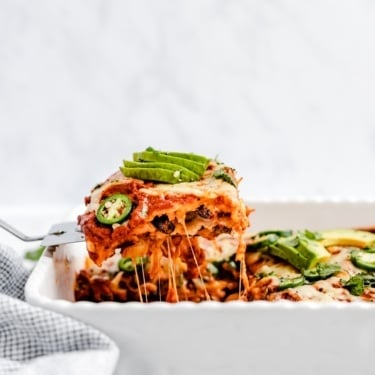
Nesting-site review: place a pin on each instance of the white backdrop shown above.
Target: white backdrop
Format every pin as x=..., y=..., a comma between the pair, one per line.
x=282, y=90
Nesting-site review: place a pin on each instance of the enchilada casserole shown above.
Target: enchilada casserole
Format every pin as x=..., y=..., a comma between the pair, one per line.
x=172, y=227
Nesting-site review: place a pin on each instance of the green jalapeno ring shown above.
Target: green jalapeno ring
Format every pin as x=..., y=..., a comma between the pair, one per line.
x=363, y=259
x=114, y=209
x=126, y=264
x=286, y=283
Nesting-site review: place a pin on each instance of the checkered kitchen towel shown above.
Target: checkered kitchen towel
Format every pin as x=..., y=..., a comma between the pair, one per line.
x=37, y=341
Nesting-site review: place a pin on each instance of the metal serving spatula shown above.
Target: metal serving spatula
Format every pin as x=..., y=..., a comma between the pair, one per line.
x=61, y=233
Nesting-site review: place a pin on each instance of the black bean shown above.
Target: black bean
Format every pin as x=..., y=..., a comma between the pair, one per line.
x=204, y=212
x=163, y=224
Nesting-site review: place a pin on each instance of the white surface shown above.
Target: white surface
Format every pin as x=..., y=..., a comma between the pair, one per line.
x=282, y=90
x=240, y=338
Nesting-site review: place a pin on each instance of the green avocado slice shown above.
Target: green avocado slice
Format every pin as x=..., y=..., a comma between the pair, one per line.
x=184, y=155
x=157, y=174
x=154, y=156
x=314, y=251
x=347, y=237
x=187, y=173
x=290, y=254
x=189, y=156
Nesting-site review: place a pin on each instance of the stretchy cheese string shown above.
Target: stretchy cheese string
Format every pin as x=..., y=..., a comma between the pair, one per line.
x=159, y=287
x=156, y=258
x=138, y=284
x=144, y=279
x=172, y=269
x=243, y=275
x=196, y=262
x=239, y=281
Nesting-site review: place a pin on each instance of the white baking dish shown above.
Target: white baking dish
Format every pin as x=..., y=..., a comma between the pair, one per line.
x=234, y=337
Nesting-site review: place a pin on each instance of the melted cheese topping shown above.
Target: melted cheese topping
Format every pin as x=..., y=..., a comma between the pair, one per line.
x=330, y=289
x=208, y=188
x=206, y=208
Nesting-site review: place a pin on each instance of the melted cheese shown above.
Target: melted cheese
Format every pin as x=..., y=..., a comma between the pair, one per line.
x=206, y=208
x=309, y=293
x=208, y=188
x=327, y=290
x=221, y=248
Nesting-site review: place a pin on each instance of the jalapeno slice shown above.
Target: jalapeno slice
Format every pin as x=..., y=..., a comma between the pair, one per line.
x=128, y=264
x=363, y=259
x=114, y=209
x=322, y=271
x=286, y=283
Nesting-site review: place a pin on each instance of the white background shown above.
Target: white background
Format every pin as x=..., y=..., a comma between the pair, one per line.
x=281, y=90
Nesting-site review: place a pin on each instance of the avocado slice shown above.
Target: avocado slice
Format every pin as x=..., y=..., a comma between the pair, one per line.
x=156, y=174
x=155, y=156
x=190, y=156
x=314, y=251
x=186, y=174
x=290, y=254
x=347, y=237
x=300, y=252
x=184, y=155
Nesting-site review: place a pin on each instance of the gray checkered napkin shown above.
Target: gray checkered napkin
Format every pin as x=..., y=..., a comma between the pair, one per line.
x=37, y=341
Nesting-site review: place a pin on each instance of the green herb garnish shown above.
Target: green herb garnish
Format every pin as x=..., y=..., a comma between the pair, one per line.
x=322, y=271
x=220, y=173
x=286, y=283
x=34, y=255
x=357, y=283
x=316, y=236
x=278, y=232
